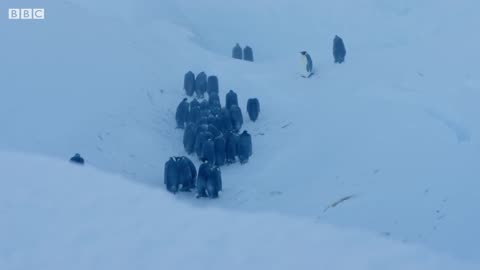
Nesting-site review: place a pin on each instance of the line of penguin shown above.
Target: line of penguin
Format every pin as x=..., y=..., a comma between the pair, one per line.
x=212, y=132
x=242, y=54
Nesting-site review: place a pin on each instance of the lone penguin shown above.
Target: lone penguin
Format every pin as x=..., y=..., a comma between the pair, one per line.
x=339, y=50
x=307, y=63
x=77, y=159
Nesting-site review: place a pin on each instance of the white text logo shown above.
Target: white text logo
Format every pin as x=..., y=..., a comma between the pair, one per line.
x=26, y=13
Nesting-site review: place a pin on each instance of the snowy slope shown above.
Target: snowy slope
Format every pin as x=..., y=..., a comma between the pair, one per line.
x=395, y=126
x=106, y=222
x=83, y=83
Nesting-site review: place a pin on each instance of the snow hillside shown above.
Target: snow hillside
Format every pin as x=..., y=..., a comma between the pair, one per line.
x=106, y=222
x=394, y=129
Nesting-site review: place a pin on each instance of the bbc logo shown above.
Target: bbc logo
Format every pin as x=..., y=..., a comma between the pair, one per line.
x=26, y=13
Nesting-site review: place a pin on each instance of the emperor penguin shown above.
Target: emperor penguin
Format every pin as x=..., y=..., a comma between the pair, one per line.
x=307, y=63
x=77, y=159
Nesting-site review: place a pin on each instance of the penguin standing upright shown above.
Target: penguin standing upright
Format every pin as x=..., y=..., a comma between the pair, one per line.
x=253, y=108
x=189, y=83
x=182, y=113
x=237, y=52
x=307, y=64
x=248, y=54
x=339, y=50
x=203, y=175
x=170, y=177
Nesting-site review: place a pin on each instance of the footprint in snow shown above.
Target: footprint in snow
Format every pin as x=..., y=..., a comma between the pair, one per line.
x=461, y=132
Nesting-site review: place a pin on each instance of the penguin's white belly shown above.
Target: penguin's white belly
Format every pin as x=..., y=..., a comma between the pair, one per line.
x=304, y=64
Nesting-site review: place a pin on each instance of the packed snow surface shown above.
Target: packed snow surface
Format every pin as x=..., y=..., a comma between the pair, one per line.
x=386, y=143
x=57, y=215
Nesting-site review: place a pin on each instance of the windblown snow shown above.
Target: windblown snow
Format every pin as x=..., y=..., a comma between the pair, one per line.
x=371, y=164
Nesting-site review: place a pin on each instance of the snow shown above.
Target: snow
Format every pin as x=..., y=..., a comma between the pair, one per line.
x=395, y=127
x=107, y=222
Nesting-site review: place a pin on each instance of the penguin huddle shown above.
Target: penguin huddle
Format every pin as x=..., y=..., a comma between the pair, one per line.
x=180, y=174
x=211, y=132
x=242, y=54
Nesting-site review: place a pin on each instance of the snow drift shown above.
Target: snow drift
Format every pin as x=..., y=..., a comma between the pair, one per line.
x=57, y=215
x=396, y=126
